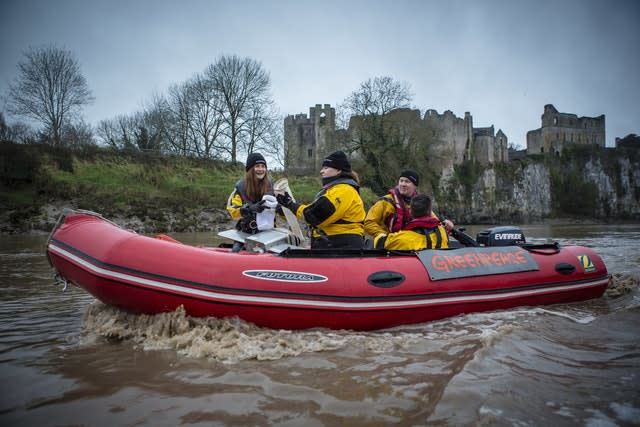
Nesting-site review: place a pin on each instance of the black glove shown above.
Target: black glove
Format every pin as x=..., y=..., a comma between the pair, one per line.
x=257, y=207
x=285, y=200
x=251, y=208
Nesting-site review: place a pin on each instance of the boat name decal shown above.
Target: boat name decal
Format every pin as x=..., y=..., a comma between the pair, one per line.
x=508, y=236
x=285, y=276
x=586, y=263
x=479, y=261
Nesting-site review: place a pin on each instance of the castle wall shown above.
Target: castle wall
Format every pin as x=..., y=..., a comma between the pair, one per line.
x=501, y=147
x=452, y=135
x=483, y=148
x=534, y=142
x=309, y=138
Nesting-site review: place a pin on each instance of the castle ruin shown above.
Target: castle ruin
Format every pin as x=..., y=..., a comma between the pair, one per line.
x=309, y=139
x=560, y=129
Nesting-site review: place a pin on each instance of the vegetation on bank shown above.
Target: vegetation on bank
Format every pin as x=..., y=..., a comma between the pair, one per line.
x=121, y=183
x=586, y=182
x=572, y=194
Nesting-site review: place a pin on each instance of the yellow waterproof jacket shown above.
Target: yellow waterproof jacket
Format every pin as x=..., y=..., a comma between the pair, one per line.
x=413, y=240
x=234, y=203
x=337, y=209
x=377, y=218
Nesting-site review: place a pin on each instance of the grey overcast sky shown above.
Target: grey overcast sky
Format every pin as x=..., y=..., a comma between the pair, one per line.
x=500, y=60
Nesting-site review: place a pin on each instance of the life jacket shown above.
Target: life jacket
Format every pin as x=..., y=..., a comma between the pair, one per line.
x=241, y=190
x=402, y=214
x=430, y=227
x=427, y=223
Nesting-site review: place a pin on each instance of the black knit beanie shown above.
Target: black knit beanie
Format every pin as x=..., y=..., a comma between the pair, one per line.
x=337, y=160
x=253, y=159
x=411, y=175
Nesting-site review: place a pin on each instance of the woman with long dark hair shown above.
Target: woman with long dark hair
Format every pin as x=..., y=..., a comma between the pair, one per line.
x=245, y=201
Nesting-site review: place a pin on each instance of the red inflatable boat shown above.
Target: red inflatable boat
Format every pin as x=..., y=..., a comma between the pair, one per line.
x=274, y=284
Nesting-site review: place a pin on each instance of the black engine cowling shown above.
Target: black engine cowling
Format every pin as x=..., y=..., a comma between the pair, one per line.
x=501, y=236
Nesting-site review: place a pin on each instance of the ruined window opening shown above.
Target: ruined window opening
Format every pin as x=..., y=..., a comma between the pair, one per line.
x=310, y=153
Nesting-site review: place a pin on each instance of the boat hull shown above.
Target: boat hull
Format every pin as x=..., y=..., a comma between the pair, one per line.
x=298, y=290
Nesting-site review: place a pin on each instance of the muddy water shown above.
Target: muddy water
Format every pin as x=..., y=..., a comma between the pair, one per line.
x=69, y=360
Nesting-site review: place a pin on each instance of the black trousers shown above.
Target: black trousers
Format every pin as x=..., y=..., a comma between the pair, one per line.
x=338, y=241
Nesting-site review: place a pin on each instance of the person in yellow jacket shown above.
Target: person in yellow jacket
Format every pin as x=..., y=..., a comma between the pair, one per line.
x=391, y=212
x=337, y=213
x=424, y=231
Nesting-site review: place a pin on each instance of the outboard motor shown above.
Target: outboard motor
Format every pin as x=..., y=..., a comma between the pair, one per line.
x=501, y=236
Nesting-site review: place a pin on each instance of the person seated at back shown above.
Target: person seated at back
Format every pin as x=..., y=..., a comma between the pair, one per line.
x=422, y=232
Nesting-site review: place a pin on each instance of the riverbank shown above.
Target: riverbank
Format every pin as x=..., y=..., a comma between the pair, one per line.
x=160, y=194
x=164, y=221
x=147, y=193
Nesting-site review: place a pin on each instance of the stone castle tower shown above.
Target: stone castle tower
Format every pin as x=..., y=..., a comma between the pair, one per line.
x=560, y=129
x=309, y=139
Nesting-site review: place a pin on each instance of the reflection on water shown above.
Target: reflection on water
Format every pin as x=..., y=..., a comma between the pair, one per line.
x=69, y=360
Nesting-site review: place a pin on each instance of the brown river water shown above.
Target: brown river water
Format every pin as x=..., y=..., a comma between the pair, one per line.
x=67, y=360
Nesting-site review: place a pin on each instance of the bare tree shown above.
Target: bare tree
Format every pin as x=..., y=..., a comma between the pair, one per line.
x=196, y=119
x=106, y=132
x=143, y=130
x=151, y=125
x=19, y=133
x=5, y=130
x=379, y=96
x=264, y=132
x=207, y=121
x=118, y=132
x=242, y=86
x=179, y=127
x=374, y=138
x=50, y=89
x=78, y=134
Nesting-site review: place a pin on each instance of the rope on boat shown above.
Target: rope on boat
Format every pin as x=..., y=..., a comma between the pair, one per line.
x=542, y=248
x=59, y=280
